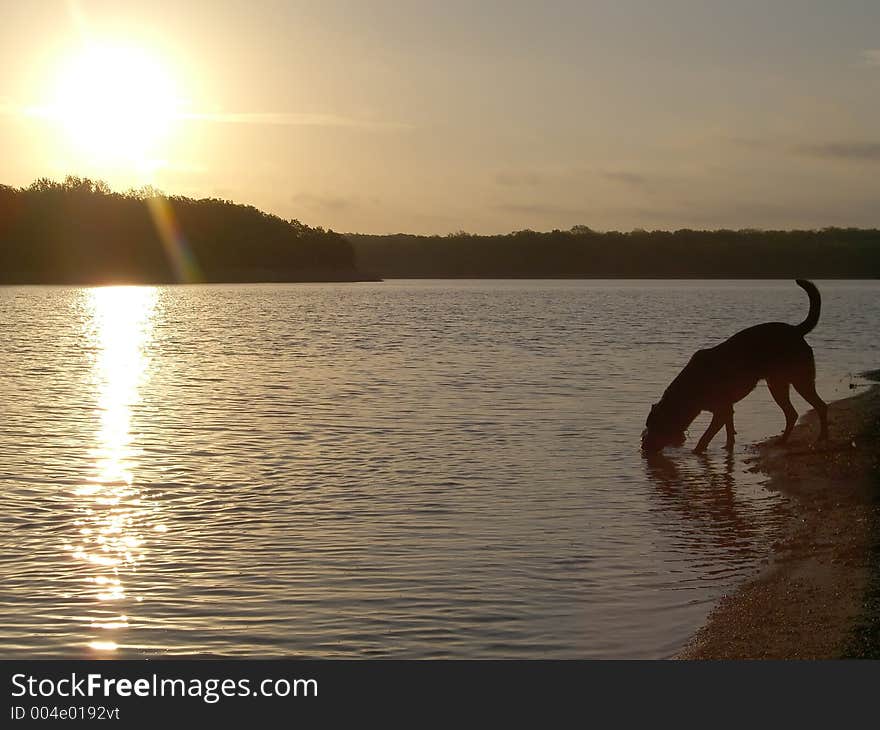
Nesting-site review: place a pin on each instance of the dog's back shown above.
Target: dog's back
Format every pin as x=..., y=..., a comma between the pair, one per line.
x=768, y=351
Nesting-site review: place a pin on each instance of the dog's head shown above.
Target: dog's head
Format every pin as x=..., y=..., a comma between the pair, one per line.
x=662, y=428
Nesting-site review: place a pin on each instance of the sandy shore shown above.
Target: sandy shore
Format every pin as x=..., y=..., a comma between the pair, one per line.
x=814, y=599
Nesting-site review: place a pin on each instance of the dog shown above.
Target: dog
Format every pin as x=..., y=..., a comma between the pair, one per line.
x=716, y=378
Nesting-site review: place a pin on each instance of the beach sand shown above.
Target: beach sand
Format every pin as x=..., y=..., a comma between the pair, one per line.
x=815, y=599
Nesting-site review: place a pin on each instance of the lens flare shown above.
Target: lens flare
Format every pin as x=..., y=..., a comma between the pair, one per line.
x=177, y=249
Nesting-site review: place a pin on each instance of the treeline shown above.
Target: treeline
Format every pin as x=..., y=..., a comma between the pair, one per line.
x=81, y=232
x=585, y=253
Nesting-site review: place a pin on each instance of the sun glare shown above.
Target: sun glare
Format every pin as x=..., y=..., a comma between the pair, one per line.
x=116, y=106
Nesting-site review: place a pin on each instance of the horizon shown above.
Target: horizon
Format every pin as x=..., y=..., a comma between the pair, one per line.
x=428, y=120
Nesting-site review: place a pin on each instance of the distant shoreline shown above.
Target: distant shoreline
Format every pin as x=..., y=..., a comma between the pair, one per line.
x=707, y=277
x=79, y=231
x=810, y=602
x=365, y=278
x=49, y=281
x=580, y=252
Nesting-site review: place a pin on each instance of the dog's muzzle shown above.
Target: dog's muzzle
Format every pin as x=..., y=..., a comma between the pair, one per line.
x=650, y=444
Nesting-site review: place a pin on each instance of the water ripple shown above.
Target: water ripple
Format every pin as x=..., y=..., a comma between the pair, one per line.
x=408, y=469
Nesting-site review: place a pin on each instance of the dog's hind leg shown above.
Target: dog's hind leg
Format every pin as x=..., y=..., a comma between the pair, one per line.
x=806, y=388
x=729, y=430
x=719, y=418
x=779, y=391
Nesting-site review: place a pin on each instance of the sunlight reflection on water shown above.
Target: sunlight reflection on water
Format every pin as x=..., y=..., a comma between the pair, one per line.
x=111, y=513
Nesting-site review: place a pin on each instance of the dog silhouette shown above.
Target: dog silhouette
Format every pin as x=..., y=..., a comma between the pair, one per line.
x=717, y=377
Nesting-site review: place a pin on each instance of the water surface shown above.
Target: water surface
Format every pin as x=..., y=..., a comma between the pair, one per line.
x=401, y=469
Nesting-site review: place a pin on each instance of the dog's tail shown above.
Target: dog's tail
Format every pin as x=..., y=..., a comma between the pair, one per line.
x=815, y=306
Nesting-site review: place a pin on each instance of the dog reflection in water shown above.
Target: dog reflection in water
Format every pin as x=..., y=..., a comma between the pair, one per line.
x=718, y=377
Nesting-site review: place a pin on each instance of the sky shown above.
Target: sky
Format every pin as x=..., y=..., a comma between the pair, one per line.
x=382, y=116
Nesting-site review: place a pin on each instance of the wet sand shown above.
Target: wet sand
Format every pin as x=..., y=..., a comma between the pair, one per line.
x=811, y=602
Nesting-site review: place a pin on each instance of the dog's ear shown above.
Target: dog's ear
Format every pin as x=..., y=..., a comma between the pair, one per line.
x=653, y=407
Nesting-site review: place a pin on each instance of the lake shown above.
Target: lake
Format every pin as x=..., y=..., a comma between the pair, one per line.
x=407, y=469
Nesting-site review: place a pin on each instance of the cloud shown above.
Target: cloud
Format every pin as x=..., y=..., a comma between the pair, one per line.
x=627, y=178
x=847, y=151
x=530, y=178
x=746, y=142
x=297, y=119
x=538, y=209
x=322, y=203
x=290, y=119
x=871, y=57
x=512, y=179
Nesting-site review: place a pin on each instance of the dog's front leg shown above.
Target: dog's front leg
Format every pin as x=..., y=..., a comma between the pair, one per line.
x=718, y=420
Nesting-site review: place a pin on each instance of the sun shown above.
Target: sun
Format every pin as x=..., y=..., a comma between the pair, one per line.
x=115, y=105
